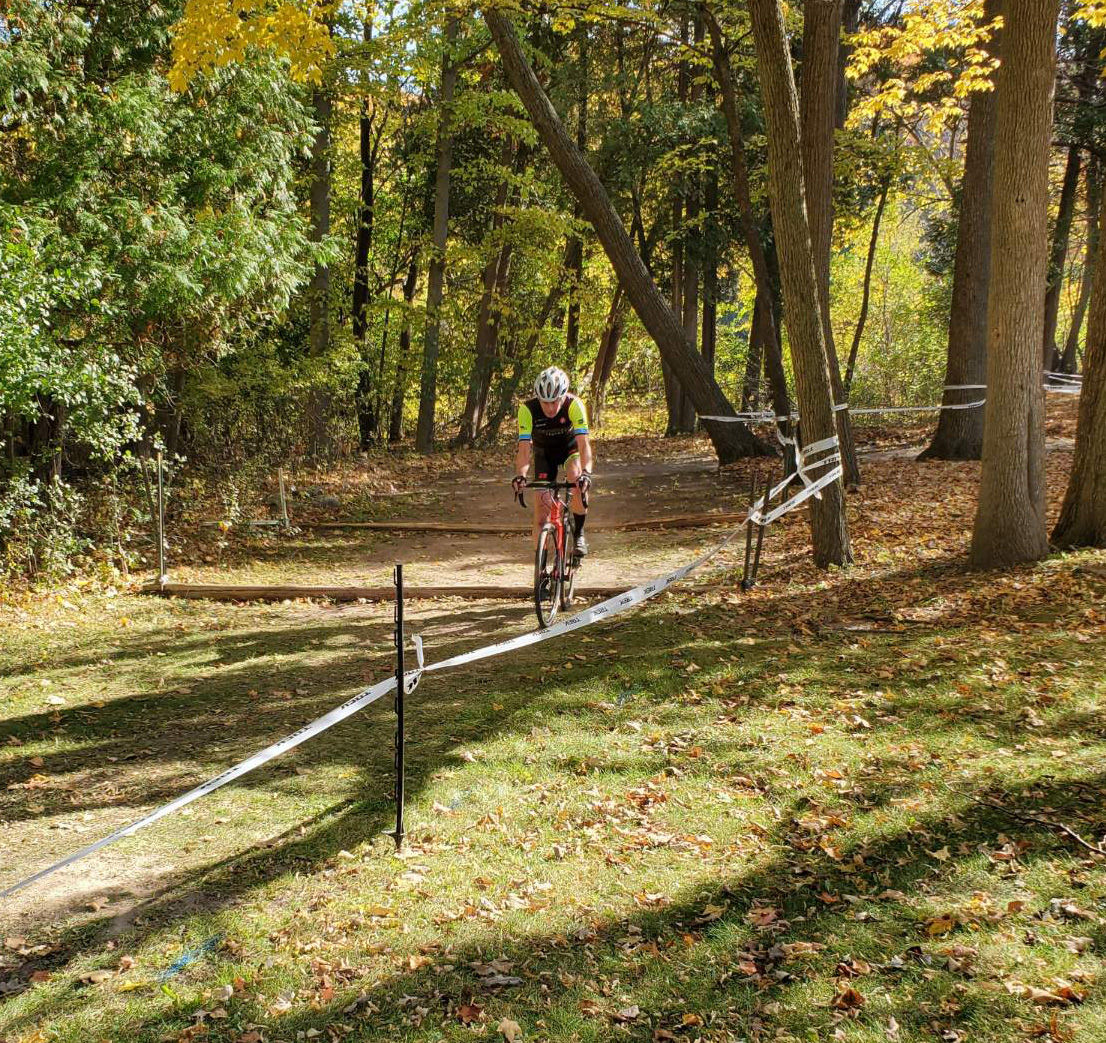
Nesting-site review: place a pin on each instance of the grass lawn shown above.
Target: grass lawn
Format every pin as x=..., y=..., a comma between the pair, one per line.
x=843, y=806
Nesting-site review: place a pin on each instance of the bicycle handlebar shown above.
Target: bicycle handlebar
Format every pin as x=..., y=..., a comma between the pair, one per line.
x=550, y=485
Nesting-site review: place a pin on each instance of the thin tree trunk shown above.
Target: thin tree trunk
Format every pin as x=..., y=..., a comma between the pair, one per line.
x=850, y=21
x=821, y=50
x=428, y=391
x=762, y=271
x=399, y=388
x=368, y=420
x=709, y=340
x=1010, y=519
x=1082, y=521
x=319, y=287
x=1057, y=261
x=495, y=272
x=1069, y=360
x=576, y=261
x=730, y=440
x=959, y=434
x=761, y=330
x=676, y=296
x=829, y=527
x=509, y=386
x=604, y=359
x=866, y=296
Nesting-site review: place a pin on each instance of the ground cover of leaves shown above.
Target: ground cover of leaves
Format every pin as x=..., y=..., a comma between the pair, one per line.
x=858, y=805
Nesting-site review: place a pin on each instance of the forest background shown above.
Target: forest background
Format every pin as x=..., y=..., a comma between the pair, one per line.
x=254, y=234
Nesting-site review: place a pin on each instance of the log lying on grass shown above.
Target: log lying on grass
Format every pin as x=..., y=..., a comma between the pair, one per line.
x=679, y=521
x=221, y=592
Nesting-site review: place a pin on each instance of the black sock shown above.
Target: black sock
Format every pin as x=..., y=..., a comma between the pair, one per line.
x=578, y=521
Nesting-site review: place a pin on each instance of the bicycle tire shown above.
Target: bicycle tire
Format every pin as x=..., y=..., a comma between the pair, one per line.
x=547, y=577
x=568, y=569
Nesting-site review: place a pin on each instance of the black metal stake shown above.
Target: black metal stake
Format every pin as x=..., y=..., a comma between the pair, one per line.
x=749, y=531
x=162, y=578
x=760, y=534
x=400, y=685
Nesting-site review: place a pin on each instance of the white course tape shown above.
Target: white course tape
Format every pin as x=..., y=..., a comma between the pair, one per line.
x=611, y=607
x=289, y=742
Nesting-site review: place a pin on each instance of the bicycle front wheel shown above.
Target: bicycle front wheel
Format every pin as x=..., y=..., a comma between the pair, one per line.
x=547, y=577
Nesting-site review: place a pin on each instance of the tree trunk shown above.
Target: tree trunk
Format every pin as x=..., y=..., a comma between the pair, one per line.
x=509, y=385
x=1010, y=519
x=676, y=297
x=761, y=330
x=821, y=49
x=487, y=325
x=435, y=282
x=399, y=388
x=1082, y=521
x=866, y=296
x=608, y=350
x=319, y=288
x=576, y=260
x=762, y=271
x=730, y=441
x=1058, y=256
x=959, y=434
x=850, y=20
x=368, y=420
x=1069, y=360
x=709, y=340
x=829, y=526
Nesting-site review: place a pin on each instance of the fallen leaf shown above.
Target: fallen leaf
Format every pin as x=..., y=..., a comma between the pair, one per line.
x=509, y=1030
x=848, y=999
x=469, y=1013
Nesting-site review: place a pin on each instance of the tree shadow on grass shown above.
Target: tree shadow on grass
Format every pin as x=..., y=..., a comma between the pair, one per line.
x=755, y=954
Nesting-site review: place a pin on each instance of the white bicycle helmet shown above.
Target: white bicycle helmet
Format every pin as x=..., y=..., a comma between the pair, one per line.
x=551, y=385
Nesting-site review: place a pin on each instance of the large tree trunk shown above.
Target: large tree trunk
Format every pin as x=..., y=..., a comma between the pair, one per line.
x=1082, y=520
x=1069, y=360
x=1058, y=256
x=435, y=282
x=1010, y=520
x=730, y=440
x=821, y=48
x=399, y=388
x=959, y=434
x=829, y=526
x=866, y=295
x=762, y=271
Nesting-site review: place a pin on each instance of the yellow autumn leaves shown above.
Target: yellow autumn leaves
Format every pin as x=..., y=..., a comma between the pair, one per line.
x=215, y=33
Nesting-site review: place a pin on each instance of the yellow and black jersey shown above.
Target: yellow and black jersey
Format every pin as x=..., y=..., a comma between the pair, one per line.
x=552, y=432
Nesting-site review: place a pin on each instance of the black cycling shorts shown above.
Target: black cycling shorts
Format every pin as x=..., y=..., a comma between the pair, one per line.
x=547, y=459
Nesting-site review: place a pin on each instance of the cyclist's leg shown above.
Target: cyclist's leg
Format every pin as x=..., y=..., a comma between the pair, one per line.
x=545, y=470
x=573, y=470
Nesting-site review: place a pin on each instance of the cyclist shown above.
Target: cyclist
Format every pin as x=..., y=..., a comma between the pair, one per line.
x=553, y=430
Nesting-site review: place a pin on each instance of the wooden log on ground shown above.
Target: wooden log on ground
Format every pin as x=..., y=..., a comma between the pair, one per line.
x=225, y=592
x=680, y=521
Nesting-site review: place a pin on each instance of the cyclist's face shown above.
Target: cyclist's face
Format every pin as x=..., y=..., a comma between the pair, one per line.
x=551, y=409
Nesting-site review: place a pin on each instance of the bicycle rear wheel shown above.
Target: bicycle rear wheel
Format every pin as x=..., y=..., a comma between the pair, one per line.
x=570, y=564
x=547, y=577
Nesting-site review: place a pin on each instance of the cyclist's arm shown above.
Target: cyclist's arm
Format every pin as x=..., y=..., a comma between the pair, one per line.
x=525, y=435
x=587, y=459
x=578, y=415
